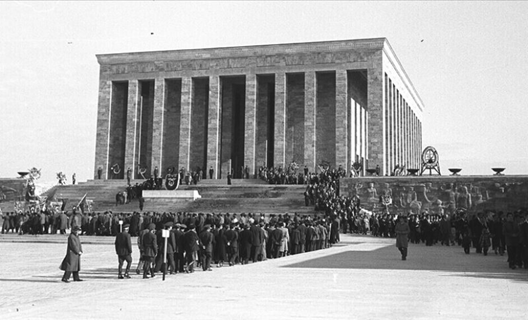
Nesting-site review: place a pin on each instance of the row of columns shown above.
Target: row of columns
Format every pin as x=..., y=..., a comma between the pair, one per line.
x=403, y=130
x=344, y=148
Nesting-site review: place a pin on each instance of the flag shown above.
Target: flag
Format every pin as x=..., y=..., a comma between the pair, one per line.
x=82, y=203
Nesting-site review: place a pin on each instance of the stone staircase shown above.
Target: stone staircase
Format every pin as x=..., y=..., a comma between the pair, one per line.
x=244, y=195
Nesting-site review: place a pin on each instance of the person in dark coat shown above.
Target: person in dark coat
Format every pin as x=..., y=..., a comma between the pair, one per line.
x=134, y=224
x=72, y=261
x=171, y=245
x=123, y=247
x=295, y=240
x=402, y=232
x=231, y=238
x=246, y=239
x=207, y=239
x=180, y=247
x=476, y=227
x=510, y=229
x=192, y=245
x=220, y=246
x=257, y=240
x=150, y=250
x=276, y=239
x=63, y=223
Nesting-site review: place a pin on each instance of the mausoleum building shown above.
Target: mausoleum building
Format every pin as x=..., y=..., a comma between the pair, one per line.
x=334, y=102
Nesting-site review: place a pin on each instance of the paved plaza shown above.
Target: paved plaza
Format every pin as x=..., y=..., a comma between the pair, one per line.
x=361, y=278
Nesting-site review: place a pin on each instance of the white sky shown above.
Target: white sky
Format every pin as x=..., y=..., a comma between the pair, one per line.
x=470, y=70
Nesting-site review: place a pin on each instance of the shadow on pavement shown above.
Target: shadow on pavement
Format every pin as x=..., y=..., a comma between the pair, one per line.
x=30, y=280
x=420, y=258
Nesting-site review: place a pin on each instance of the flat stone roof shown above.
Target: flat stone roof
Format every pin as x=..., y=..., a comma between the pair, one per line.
x=243, y=51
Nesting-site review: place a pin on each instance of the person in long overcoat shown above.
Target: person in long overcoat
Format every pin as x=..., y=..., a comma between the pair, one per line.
x=245, y=238
x=231, y=240
x=220, y=246
x=207, y=239
x=150, y=250
x=63, y=223
x=192, y=245
x=72, y=261
x=123, y=248
x=402, y=231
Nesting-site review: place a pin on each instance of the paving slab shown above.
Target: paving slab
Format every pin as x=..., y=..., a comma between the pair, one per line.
x=361, y=278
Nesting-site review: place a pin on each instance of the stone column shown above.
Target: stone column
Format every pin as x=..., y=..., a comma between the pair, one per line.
x=157, y=125
x=213, y=126
x=185, y=123
x=280, y=120
x=132, y=123
x=341, y=119
x=309, y=120
x=375, y=120
x=102, y=142
x=250, y=124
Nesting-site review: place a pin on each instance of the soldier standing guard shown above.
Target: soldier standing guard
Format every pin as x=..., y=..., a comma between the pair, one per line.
x=72, y=261
x=123, y=247
x=211, y=172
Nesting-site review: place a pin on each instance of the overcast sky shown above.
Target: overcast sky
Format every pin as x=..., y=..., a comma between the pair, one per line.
x=467, y=60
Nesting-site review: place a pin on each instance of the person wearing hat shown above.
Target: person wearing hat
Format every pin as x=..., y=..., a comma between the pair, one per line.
x=402, y=232
x=180, y=248
x=123, y=247
x=207, y=239
x=72, y=261
x=171, y=244
x=192, y=245
x=150, y=250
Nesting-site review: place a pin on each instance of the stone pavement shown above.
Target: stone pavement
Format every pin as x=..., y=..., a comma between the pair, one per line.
x=361, y=278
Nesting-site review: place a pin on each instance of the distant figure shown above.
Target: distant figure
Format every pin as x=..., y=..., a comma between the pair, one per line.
x=229, y=178
x=74, y=178
x=99, y=173
x=156, y=172
x=141, y=203
x=211, y=172
x=128, y=175
x=246, y=172
x=378, y=170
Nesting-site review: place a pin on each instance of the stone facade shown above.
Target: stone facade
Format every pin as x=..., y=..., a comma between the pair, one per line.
x=336, y=102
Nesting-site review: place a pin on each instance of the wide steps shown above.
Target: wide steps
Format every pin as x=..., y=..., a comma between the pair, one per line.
x=244, y=195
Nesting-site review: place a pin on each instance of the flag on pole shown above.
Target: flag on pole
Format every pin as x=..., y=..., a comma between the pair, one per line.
x=82, y=203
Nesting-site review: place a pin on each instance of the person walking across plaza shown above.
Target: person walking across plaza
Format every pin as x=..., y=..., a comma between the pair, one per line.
x=402, y=231
x=72, y=261
x=123, y=247
x=150, y=250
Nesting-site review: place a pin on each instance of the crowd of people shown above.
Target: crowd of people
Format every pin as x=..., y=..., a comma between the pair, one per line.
x=483, y=231
x=201, y=240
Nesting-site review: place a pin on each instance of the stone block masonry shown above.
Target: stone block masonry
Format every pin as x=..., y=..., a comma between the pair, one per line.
x=334, y=101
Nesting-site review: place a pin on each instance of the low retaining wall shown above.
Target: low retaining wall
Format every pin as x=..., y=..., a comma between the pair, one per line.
x=439, y=194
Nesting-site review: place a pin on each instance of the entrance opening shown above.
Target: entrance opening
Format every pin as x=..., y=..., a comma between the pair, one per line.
x=146, y=112
x=233, y=125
